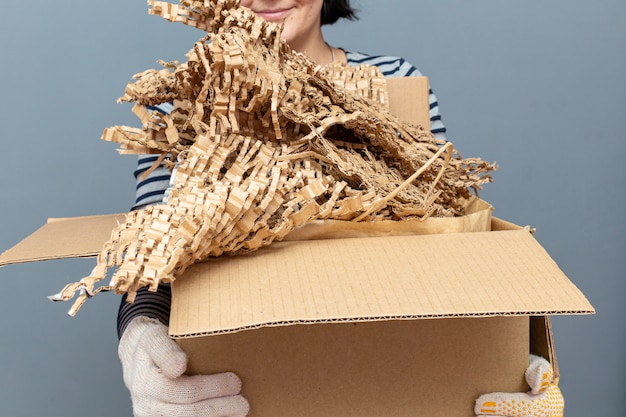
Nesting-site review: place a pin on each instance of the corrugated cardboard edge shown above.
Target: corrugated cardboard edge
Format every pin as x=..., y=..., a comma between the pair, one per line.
x=59, y=238
x=522, y=280
x=371, y=319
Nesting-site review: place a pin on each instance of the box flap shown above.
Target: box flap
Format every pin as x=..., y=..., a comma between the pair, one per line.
x=414, y=107
x=457, y=275
x=382, y=278
x=64, y=238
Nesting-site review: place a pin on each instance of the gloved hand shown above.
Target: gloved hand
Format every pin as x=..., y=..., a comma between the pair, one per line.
x=153, y=367
x=543, y=400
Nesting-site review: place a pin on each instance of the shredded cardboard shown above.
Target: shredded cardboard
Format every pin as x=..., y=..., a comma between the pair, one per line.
x=261, y=141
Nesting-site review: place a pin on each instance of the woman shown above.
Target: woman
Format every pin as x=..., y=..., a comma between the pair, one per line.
x=152, y=363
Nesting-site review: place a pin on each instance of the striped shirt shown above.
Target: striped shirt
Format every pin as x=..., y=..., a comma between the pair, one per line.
x=151, y=190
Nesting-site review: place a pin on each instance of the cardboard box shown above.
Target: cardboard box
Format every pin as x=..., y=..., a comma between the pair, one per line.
x=394, y=325
x=391, y=325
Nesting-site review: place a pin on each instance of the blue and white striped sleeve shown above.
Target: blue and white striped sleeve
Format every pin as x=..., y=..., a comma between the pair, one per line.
x=150, y=188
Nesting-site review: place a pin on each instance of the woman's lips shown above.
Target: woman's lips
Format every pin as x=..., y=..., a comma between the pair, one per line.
x=274, y=15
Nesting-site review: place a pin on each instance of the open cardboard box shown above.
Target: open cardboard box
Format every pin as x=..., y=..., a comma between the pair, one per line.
x=393, y=325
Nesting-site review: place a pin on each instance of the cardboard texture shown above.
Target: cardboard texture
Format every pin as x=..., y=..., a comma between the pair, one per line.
x=366, y=279
x=60, y=238
x=413, y=107
x=393, y=368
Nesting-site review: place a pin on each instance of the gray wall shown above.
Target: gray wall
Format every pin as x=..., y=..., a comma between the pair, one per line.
x=535, y=85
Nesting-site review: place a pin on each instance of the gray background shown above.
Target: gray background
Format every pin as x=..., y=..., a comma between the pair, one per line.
x=536, y=85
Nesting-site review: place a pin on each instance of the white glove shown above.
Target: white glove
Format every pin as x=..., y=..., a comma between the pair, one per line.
x=543, y=400
x=153, y=367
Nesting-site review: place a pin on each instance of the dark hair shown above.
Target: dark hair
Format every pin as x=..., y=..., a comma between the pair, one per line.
x=333, y=10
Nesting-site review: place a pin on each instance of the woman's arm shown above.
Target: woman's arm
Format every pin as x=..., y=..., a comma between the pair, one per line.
x=150, y=190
